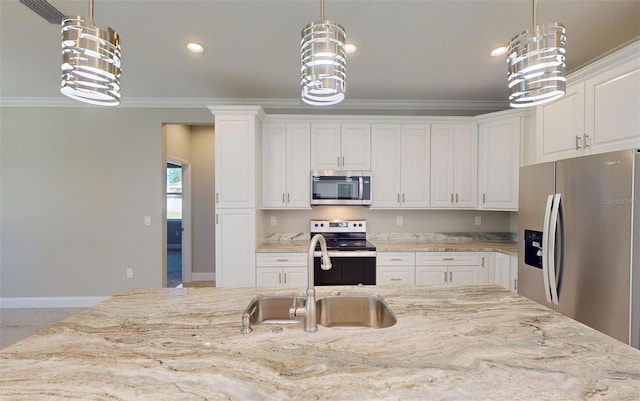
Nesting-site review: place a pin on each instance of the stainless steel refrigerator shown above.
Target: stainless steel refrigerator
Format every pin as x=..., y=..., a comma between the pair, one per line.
x=579, y=240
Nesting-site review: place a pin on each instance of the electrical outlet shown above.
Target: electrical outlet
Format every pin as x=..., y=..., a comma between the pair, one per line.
x=399, y=220
x=478, y=220
x=274, y=221
x=130, y=272
x=147, y=220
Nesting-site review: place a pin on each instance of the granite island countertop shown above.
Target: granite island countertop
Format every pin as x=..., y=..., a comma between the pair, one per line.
x=507, y=247
x=459, y=343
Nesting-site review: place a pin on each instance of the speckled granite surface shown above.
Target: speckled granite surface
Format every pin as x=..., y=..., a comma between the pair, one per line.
x=460, y=343
x=510, y=248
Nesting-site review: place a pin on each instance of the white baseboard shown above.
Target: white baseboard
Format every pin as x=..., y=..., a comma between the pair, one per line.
x=49, y=302
x=203, y=276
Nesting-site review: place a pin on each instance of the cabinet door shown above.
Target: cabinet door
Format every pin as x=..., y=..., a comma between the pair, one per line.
x=274, y=165
x=499, y=164
x=298, y=158
x=415, y=166
x=395, y=275
x=502, y=270
x=560, y=125
x=612, y=104
x=235, y=161
x=466, y=166
x=355, y=147
x=268, y=277
x=294, y=276
x=513, y=285
x=385, y=165
x=431, y=275
x=325, y=146
x=235, y=247
x=442, y=154
x=464, y=275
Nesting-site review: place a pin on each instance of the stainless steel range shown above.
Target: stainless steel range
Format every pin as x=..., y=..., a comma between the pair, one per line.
x=352, y=256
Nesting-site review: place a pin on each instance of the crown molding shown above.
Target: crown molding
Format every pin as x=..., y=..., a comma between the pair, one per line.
x=272, y=104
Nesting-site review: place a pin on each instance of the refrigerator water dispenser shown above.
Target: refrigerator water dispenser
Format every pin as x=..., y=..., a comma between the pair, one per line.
x=533, y=248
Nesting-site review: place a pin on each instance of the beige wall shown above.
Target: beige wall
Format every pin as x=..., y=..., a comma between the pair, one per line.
x=76, y=184
x=384, y=221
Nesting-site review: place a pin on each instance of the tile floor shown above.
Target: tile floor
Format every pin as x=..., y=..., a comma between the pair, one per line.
x=19, y=323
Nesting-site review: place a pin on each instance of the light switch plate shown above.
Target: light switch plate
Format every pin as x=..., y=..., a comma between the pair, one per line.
x=147, y=220
x=478, y=220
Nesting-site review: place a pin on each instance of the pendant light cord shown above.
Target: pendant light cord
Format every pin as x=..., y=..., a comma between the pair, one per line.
x=91, y=12
x=535, y=12
x=321, y=10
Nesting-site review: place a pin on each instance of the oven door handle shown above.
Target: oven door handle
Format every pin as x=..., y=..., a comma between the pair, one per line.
x=348, y=254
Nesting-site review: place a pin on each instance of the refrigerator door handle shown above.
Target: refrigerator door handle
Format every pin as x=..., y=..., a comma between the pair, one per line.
x=553, y=227
x=545, y=247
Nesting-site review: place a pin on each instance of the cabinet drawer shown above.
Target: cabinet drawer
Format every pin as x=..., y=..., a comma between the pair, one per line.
x=448, y=258
x=395, y=275
x=281, y=259
x=395, y=258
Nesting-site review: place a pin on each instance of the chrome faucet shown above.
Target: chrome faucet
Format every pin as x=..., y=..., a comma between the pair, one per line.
x=308, y=313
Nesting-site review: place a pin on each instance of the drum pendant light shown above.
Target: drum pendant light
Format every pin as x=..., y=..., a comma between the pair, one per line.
x=536, y=64
x=323, y=61
x=90, y=61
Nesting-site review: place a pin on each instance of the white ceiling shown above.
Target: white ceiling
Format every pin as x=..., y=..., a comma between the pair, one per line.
x=418, y=54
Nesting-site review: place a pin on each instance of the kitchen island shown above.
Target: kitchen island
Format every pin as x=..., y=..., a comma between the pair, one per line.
x=459, y=343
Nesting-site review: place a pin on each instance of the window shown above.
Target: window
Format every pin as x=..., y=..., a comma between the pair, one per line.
x=174, y=191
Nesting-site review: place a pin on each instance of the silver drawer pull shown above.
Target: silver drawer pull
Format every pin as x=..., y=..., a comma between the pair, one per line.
x=396, y=259
x=395, y=279
x=282, y=260
x=448, y=258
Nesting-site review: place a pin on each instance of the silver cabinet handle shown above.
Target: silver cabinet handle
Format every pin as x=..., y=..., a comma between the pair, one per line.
x=216, y=197
x=482, y=258
x=396, y=259
x=484, y=198
x=288, y=197
x=456, y=198
x=395, y=279
x=285, y=278
x=342, y=161
x=586, y=140
x=451, y=198
x=515, y=284
x=448, y=258
x=279, y=278
x=338, y=161
x=403, y=197
x=217, y=218
x=445, y=277
x=451, y=277
x=282, y=260
x=398, y=198
x=283, y=197
x=578, y=142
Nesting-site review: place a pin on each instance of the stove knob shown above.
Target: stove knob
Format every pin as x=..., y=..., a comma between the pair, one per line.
x=322, y=225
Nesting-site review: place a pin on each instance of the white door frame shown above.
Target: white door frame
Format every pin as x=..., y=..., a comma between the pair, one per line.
x=186, y=217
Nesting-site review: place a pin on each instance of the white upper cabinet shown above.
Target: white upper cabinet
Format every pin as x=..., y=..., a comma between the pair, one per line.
x=612, y=104
x=400, y=165
x=235, y=160
x=286, y=165
x=499, y=161
x=336, y=146
x=599, y=112
x=454, y=165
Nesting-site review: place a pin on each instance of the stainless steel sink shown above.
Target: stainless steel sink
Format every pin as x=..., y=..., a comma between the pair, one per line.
x=266, y=309
x=354, y=310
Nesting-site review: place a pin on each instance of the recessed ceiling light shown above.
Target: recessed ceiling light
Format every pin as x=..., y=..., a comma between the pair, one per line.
x=499, y=51
x=195, y=47
x=349, y=48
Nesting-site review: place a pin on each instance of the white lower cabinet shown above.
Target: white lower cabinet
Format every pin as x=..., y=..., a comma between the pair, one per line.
x=506, y=271
x=395, y=268
x=281, y=269
x=452, y=268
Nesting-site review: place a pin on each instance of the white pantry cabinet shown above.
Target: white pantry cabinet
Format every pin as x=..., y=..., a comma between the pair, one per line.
x=395, y=268
x=454, y=165
x=400, y=165
x=340, y=146
x=281, y=269
x=452, y=268
x=235, y=247
x=286, y=164
x=499, y=162
x=599, y=112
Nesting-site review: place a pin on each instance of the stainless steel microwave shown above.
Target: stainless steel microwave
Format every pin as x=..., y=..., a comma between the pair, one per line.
x=340, y=188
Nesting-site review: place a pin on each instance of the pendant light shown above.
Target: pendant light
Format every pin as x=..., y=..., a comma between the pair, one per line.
x=536, y=64
x=90, y=61
x=323, y=60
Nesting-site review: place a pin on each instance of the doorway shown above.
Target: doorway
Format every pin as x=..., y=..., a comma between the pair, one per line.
x=178, y=224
